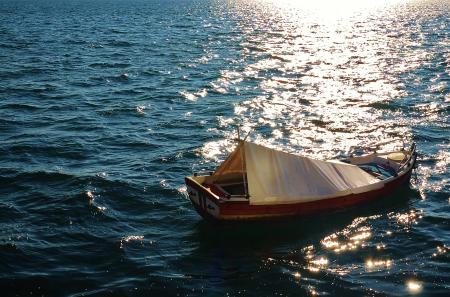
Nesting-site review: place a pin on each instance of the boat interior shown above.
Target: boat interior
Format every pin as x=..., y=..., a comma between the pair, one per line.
x=230, y=185
x=381, y=165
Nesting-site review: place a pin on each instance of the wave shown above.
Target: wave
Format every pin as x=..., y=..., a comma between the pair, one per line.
x=106, y=65
x=120, y=43
x=21, y=106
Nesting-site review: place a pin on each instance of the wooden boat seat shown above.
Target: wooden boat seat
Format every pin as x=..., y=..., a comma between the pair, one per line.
x=397, y=157
x=226, y=190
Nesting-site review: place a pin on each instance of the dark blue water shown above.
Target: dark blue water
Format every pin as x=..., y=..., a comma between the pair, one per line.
x=106, y=105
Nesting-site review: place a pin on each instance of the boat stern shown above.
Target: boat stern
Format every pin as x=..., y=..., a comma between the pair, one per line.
x=204, y=201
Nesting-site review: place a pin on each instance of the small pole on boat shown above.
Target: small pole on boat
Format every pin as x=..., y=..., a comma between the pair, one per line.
x=244, y=179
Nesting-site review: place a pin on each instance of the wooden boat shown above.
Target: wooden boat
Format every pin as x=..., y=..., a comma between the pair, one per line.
x=257, y=182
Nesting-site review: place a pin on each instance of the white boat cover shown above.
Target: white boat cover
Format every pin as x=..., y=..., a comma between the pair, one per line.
x=278, y=177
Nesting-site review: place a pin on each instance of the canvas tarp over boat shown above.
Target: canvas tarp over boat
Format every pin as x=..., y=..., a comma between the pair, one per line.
x=277, y=177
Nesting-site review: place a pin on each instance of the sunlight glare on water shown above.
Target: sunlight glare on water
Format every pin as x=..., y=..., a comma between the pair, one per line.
x=319, y=76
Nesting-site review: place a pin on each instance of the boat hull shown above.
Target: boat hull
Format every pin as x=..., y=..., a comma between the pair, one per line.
x=211, y=207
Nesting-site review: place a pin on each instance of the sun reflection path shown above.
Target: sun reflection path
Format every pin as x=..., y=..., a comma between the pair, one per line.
x=320, y=83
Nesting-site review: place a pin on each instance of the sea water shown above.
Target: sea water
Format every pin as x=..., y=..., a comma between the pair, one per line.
x=106, y=105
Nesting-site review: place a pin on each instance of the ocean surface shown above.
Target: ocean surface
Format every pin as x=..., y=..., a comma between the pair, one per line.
x=105, y=106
